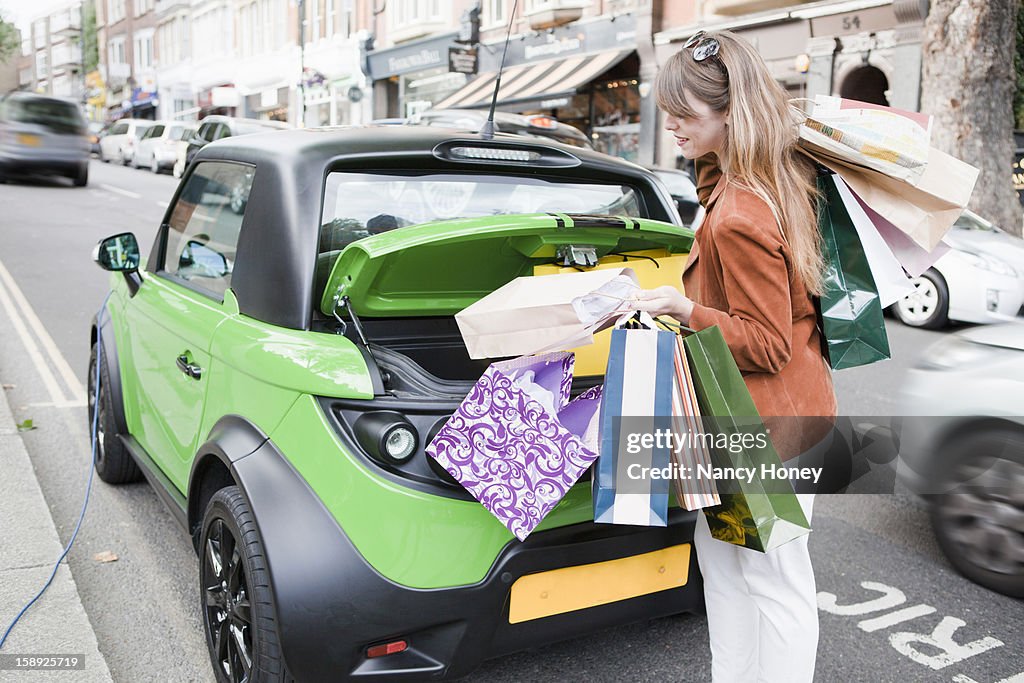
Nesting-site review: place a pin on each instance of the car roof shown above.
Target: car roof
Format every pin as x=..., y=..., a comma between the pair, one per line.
x=25, y=95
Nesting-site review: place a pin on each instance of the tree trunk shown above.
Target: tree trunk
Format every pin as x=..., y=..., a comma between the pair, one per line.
x=967, y=85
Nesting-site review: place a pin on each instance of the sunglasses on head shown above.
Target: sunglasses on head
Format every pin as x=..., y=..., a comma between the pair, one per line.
x=703, y=46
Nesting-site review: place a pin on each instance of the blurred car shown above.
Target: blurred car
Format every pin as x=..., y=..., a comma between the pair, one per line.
x=683, y=191
x=472, y=120
x=158, y=148
x=181, y=152
x=981, y=280
x=961, y=445
x=42, y=134
x=97, y=129
x=287, y=433
x=217, y=127
x=121, y=139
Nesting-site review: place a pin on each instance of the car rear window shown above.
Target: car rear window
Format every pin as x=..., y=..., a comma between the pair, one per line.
x=119, y=129
x=357, y=205
x=58, y=116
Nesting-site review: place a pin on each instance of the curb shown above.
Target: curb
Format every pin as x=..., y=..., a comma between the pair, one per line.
x=57, y=624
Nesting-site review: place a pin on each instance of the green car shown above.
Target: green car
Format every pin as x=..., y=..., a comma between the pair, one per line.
x=277, y=374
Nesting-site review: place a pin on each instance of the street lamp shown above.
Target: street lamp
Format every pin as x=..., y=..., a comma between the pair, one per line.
x=302, y=63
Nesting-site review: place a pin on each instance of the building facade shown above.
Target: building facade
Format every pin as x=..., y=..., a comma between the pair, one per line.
x=51, y=53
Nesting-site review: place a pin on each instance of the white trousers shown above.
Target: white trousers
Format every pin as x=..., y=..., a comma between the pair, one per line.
x=762, y=608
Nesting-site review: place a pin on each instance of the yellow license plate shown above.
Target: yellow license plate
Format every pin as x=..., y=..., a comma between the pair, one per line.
x=587, y=585
x=28, y=140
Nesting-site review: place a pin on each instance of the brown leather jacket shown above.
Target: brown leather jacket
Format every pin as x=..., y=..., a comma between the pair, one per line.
x=740, y=276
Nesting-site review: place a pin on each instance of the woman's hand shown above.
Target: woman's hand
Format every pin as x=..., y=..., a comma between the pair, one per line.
x=664, y=300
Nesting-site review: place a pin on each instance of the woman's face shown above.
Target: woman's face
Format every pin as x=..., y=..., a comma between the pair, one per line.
x=700, y=134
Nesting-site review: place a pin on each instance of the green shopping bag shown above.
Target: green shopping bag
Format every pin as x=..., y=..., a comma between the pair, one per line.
x=851, y=323
x=762, y=513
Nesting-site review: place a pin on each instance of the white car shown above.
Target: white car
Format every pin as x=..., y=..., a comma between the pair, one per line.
x=961, y=444
x=158, y=148
x=120, y=141
x=981, y=279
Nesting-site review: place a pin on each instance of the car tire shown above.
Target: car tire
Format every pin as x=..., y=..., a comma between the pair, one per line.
x=113, y=463
x=928, y=306
x=81, y=179
x=973, y=518
x=154, y=166
x=235, y=597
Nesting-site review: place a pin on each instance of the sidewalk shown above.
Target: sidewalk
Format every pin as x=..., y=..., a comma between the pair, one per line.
x=56, y=625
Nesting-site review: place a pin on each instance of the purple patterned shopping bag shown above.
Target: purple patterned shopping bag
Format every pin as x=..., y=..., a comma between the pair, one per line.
x=507, y=445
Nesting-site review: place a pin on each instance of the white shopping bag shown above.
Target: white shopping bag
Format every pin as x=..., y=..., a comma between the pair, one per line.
x=546, y=312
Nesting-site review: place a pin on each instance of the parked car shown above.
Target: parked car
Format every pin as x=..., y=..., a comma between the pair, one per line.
x=158, y=148
x=961, y=444
x=42, y=134
x=472, y=120
x=683, y=191
x=97, y=129
x=121, y=140
x=981, y=280
x=217, y=127
x=277, y=375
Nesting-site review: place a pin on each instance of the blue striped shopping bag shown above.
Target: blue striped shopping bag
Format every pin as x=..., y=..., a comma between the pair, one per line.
x=633, y=473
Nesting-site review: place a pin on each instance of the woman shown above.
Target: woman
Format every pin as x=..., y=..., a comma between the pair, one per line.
x=753, y=270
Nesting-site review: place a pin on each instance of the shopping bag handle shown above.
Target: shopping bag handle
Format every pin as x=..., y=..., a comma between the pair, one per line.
x=675, y=327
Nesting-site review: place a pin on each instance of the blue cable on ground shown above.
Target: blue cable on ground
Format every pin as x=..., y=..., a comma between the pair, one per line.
x=88, y=485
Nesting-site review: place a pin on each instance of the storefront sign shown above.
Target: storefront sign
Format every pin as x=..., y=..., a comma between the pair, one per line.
x=554, y=47
x=419, y=56
x=462, y=60
x=572, y=39
x=848, y=23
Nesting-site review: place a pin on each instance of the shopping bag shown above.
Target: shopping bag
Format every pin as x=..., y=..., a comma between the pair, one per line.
x=890, y=141
x=507, y=445
x=629, y=486
x=547, y=313
x=914, y=258
x=691, y=453
x=924, y=211
x=754, y=513
x=850, y=310
x=653, y=268
x=891, y=280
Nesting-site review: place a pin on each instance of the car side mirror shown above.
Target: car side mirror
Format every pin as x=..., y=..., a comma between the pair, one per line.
x=119, y=254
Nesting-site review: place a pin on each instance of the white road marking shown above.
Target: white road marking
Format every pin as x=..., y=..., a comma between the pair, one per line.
x=891, y=598
x=65, y=404
x=964, y=678
x=49, y=381
x=897, y=617
x=73, y=383
x=941, y=639
x=118, y=190
x=162, y=204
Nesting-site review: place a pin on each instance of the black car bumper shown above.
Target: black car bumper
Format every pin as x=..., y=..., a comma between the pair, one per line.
x=41, y=166
x=332, y=605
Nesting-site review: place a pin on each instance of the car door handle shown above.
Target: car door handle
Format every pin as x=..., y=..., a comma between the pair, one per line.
x=190, y=369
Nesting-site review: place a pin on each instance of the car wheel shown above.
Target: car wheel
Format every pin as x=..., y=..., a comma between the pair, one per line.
x=153, y=166
x=113, y=462
x=979, y=518
x=928, y=305
x=81, y=179
x=237, y=603
x=238, y=199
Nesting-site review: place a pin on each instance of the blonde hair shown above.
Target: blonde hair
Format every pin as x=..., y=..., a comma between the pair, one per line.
x=760, y=151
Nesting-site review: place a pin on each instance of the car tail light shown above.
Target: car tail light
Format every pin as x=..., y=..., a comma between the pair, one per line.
x=391, y=648
x=545, y=122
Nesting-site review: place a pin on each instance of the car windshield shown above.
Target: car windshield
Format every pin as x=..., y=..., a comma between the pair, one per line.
x=357, y=205
x=60, y=117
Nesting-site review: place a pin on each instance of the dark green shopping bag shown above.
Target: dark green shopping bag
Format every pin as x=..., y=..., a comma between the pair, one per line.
x=760, y=514
x=851, y=322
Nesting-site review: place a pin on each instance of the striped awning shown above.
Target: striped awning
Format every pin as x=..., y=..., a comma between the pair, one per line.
x=550, y=78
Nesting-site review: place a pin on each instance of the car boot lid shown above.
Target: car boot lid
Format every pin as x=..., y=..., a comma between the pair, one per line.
x=436, y=269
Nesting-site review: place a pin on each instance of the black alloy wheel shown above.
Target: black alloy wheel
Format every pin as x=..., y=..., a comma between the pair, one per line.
x=238, y=615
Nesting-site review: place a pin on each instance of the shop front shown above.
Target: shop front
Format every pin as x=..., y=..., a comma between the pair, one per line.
x=269, y=104
x=412, y=77
x=586, y=74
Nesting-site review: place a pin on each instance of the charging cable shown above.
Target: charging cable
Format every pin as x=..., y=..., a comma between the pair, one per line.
x=88, y=485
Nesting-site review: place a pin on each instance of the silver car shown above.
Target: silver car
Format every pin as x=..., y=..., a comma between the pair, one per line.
x=41, y=134
x=158, y=148
x=120, y=141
